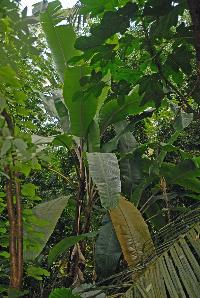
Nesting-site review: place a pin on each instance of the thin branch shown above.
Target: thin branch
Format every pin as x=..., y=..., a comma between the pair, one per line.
x=63, y=176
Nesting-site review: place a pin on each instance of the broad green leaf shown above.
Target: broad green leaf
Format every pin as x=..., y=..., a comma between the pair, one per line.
x=63, y=140
x=82, y=108
x=6, y=147
x=20, y=145
x=180, y=58
x=132, y=231
x=112, y=112
x=185, y=174
x=108, y=250
x=28, y=189
x=123, y=138
x=183, y=121
x=103, y=95
x=2, y=106
x=162, y=27
x=63, y=293
x=130, y=167
x=111, y=23
x=47, y=213
x=8, y=76
x=60, y=38
x=104, y=170
x=64, y=245
x=164, y=150
x=4, y=254
x=151, y=88
x=37, y=272
x=127, y=141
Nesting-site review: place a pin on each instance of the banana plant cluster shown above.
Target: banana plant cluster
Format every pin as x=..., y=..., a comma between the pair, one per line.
x=87, y=106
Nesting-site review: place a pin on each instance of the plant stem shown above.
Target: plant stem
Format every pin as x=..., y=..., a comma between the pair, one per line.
x=12, y=233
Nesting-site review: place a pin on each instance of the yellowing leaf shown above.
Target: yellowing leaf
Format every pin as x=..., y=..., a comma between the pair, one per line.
x=132, y=231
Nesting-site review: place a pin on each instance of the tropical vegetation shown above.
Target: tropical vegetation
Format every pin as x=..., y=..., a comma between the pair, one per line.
x=99, y=149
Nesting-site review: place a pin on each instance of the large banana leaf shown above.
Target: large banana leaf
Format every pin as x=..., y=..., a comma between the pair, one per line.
x=81, y=108
x=60, y=38
x=132, y=231
x=40, y=225
x=104, y=170
x=108, y=250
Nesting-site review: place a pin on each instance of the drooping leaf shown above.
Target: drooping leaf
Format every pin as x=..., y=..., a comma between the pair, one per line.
x=48, y=214
x=104, y=170
x=112, y=112
x=108, y=250
x=132, y=231
x=183, y=120
x=64, y=245
x=185, y=174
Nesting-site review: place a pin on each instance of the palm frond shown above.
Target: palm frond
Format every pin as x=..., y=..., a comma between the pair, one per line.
x=171, y=270
x=175, y=273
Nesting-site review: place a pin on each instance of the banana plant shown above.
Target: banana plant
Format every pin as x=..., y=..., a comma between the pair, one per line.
x=88, y=112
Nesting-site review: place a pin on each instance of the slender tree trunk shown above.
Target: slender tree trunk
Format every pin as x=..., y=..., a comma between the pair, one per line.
x=15, y=219
x=15, y=230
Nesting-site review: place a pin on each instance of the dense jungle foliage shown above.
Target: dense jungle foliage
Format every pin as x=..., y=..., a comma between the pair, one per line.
x=100, y=149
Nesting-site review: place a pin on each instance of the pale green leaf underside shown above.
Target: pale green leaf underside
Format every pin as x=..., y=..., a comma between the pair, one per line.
x=104, y=170
x=47, y=215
